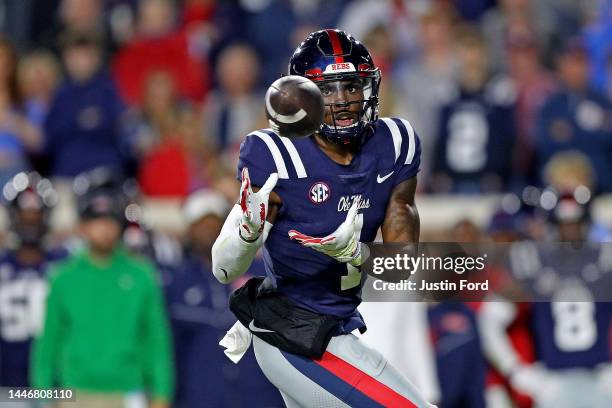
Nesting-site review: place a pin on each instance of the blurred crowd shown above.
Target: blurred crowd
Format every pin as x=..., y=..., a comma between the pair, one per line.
x=504, y=94
x=113, y=102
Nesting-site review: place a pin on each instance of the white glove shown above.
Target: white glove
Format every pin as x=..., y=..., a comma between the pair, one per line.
x=342, y=244
x=254, y=206
x=536, y=381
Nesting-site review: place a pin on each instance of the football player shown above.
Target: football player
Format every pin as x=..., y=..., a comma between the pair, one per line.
x=570, y=334
x=310, y=203
x=23, y=270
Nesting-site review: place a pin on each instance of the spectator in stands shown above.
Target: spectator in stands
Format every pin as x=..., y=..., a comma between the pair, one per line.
x=164, y=168
x=511, y=16
x=576, y=117
x=235, y=108
x=83, y=127
x=159, y=45
x=18, y=137
x=68, y=15
x=198, y=308
x=106, y=319
x=202, y=159
x=429, y=83
x=38, y=74
x=533, y=85
x=82, y=15
x=476, y=129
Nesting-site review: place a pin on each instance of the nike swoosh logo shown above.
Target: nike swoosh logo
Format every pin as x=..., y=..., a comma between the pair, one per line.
x=381, y=179
x=254, y=328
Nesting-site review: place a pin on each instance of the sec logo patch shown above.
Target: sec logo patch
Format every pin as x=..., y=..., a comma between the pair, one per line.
x=319, y=192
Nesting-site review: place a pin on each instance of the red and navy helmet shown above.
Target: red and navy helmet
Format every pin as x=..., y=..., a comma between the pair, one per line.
x=30, y=199
x=334, y=55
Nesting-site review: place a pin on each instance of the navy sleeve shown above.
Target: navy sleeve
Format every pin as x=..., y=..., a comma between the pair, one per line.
x=256, y=156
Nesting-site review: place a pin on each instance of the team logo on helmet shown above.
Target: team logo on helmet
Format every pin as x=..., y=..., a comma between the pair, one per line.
x=319, y=192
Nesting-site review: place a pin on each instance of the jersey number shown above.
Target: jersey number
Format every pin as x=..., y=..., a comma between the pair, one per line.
x=575, y=327
x=21, y=308
x=353, y=276
x=466, y=149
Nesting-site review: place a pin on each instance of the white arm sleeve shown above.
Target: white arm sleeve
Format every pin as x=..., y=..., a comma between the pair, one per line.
x=231, y=255
x=493, y=320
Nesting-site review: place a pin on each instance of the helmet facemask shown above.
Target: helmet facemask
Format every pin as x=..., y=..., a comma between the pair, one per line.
x=340, y=98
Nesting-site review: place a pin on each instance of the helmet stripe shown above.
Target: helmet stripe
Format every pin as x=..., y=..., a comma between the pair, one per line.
x=336, y=45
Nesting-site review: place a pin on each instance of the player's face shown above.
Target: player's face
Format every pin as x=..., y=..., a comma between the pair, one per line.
x=343, y=101
x=30, y=226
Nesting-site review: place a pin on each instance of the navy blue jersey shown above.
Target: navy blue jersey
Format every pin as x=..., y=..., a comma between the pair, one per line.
x=572, y=330
x=317, y=193
x=572, y=334
x=23, y=292
x=476, y=138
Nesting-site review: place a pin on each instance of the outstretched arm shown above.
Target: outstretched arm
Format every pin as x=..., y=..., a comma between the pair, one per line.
x=401, y=222
x=245, y=229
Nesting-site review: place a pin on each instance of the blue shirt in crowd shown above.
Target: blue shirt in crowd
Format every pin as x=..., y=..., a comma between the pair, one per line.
x=83, y=127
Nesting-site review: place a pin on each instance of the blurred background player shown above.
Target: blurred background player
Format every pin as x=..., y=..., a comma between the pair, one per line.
x=95, y=295
x=568, y=361
x=23, y=273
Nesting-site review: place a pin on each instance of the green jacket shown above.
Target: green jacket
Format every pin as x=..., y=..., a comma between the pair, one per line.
x=105, y=329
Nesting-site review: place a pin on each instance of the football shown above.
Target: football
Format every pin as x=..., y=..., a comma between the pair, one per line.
x=294, y=106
